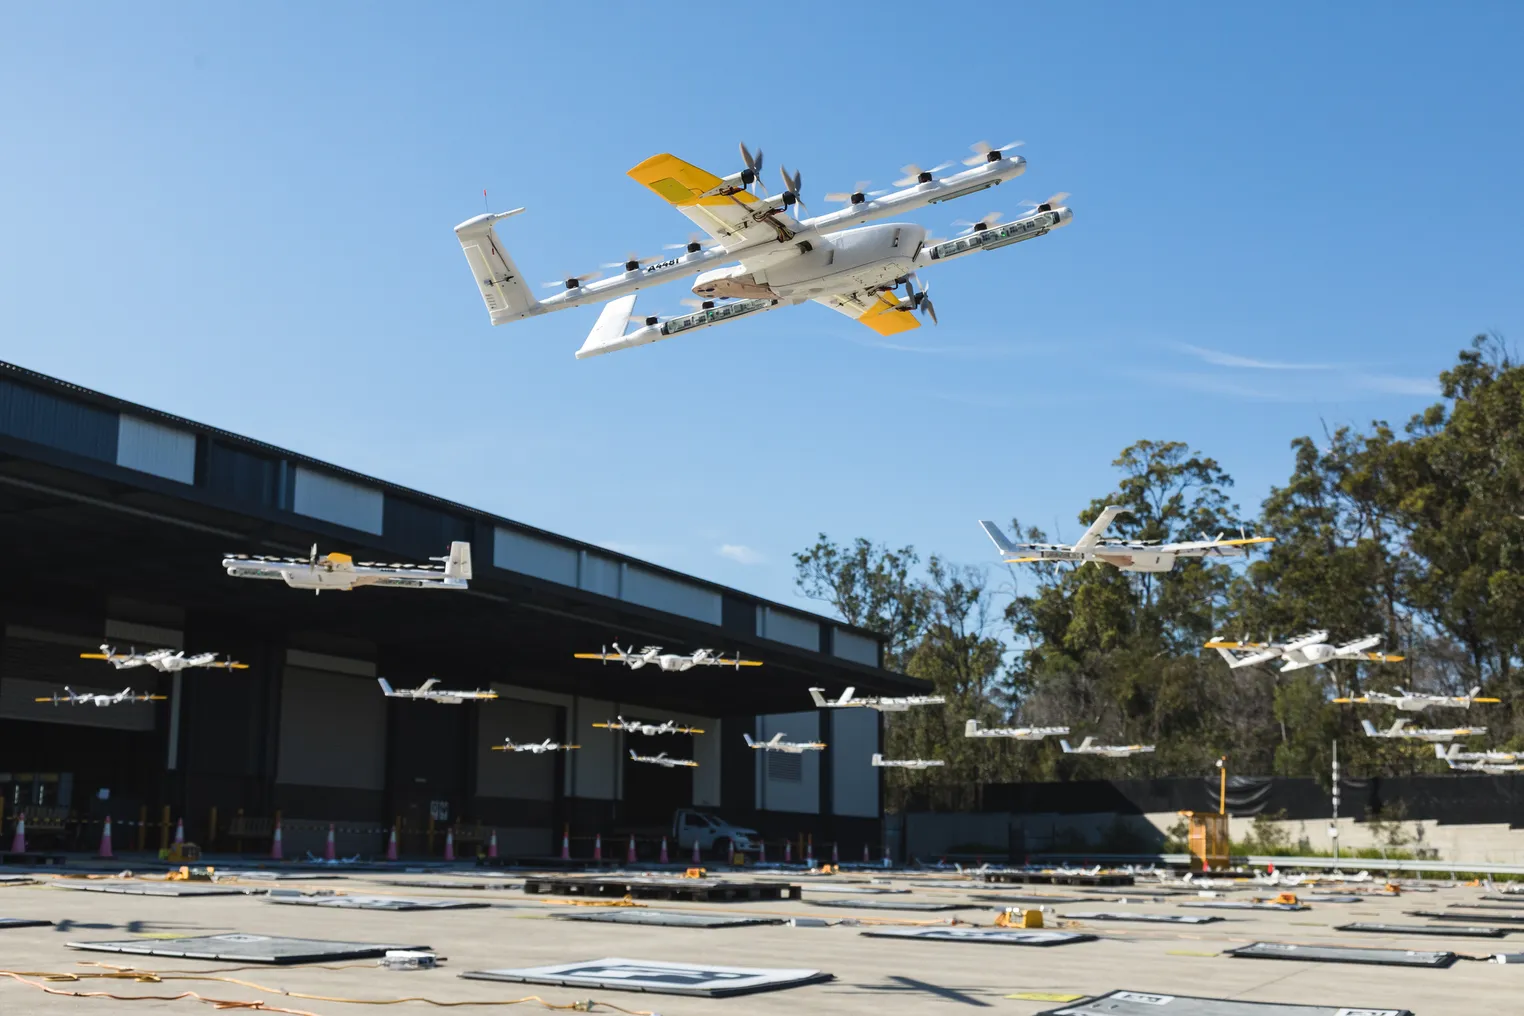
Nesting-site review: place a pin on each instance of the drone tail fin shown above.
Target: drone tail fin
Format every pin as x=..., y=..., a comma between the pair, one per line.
x=749, y=742
x=1092, y=536
x=1370, y=728
x=501, y=283
x=385, y=685
x=458, y=564
x=820, y=700
x=971, y=728
x=878, y=759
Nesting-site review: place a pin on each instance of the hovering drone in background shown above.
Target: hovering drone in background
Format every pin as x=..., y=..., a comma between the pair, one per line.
x=76, y=698
x=670, y=662
x=339, y=571
x=534, y=749
x=426, y=692
x=1089, y=747
x=832, y=259
x=1307, y=650
x=883, y=705
x=649, y=729
x=663, y=760
x=777, y=743
x=1125, y=555
x=168, y=661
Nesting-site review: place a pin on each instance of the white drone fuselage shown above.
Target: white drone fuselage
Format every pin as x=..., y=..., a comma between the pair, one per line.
x=880, y=762
x=1400, y=730
x=340, y=571
x=663, y=760
x=1089, y=747
x=973, y=729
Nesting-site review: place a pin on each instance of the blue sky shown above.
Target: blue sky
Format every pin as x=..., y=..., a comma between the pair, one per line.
x=242, y=214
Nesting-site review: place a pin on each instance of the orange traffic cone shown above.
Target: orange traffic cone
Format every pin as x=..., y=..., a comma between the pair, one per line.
x=566, y=843
x=329, y=853
x=180, y=831
x=105, y=850
x=449, y=844
x=391, y=845
x=597, y=846
x=492, y=844
x=18, y=842
x=275, y=852
x=660, y=860
x=629, y=855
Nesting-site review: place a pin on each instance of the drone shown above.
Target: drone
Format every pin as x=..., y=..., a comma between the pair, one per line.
x=649, y=729
x=883, y=705
x=670, y=662
x=663, y=760
x=534, y=749
x=905, y=763
x=1307, y=650
x=832, y=259
x=1454, y=755
x=1415, y=702
x=426, y=692
x=1400, y=729
x=339, y=571
x=77, y=698
x=777, y=743
x=972, y=729
x=168, y=661
x=1126, y=555
x=1089, y=747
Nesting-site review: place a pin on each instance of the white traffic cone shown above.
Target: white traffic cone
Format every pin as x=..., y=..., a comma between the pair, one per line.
x=275, y=850
x=105, y=850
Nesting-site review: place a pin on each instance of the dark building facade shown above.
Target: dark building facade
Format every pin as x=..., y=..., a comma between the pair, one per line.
x=113, y=521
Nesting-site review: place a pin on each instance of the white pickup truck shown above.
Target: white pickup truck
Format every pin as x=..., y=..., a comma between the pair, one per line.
x=715, y=837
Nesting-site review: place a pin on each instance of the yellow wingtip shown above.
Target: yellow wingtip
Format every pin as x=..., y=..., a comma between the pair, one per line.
x=94, y=656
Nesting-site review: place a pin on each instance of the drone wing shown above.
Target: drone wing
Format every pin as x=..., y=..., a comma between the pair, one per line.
x=727, y=212
x=883, y=312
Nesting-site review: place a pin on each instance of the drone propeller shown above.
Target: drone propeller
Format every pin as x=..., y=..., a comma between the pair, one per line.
x=632, y=262
x=986, y=221
x=573, y=281
x=915, y=174
x=1047, y=204
x=918, y=300
x=984, y=153
x=696, y=243
x=857, y=195
x=645, y=319
x=689, y=301
x=791, y=187
x=753, y=166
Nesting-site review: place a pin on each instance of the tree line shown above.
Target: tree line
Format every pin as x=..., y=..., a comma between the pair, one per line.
x=1417, y=535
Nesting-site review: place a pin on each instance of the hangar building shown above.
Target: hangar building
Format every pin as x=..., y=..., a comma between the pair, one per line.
x=113, y=522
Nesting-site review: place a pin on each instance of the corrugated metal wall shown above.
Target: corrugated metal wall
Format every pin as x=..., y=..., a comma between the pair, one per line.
x=241, y=475
x=332, y=730
x=600, y=575
x=857, y=648
x=775, y=792
x=321, y=496
x=528, y=555
x=854, y=781
x=35, y=415
x=662, y=593
x=151, y=447
x=792, y=629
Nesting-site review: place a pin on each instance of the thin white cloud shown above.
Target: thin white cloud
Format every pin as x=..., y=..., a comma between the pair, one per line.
x=1394, y=385
x=1220, y=359
x=740, y=553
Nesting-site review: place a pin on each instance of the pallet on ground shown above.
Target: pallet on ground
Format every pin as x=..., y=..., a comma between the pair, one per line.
x=690, y=890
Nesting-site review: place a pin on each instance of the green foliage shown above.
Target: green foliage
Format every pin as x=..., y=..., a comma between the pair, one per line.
x=1414, y=534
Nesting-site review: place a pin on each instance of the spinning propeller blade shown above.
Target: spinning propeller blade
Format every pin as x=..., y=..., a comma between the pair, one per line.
x=915, y=174
x=984, y=153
